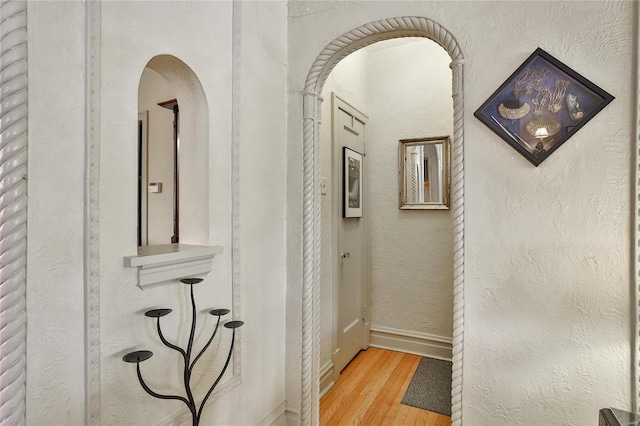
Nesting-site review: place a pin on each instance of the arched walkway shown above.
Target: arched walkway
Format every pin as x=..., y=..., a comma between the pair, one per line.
x=327, y=59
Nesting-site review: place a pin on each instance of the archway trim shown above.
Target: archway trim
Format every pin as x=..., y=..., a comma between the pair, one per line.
x=333, y=53
x=13, y=205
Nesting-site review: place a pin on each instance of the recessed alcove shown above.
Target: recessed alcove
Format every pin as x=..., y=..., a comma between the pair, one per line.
x=173, y=169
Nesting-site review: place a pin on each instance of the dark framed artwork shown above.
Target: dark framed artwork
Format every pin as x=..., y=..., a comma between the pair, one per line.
x=541, y=105
x=352, y=183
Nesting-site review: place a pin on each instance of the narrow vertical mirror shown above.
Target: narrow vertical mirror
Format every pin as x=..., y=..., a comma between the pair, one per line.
x=172, y=105
x=158, y=153
x=424, y=173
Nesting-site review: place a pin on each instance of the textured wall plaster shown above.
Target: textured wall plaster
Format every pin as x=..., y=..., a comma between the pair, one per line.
x=124, y=55
x=55, y=305
x=411, y=251
x=262, y=131
x=132, y=33
x=547, y=281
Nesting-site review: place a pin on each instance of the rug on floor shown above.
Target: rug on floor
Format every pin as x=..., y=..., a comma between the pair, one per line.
x=430, y=387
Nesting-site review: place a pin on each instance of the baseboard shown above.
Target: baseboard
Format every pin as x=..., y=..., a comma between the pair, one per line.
x=412, y=342
x=277, y=417
x=326, y=378
x=293, y=418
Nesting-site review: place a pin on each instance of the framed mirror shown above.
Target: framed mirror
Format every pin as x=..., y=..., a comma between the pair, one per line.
x=423, y=171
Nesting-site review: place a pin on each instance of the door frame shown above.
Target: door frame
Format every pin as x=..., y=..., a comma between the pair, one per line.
x=338, y=102
x=143, y=162
x=327, y=59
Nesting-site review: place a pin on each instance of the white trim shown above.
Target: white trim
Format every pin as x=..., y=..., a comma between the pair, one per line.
x=338, y=103
x=93, y=36
x=236, y=303
x=277, y=417
x=13, y=225
x=347, y=107
x=293, y=418
x=635, y=306
x=327, y=59
x=412, y=342
x=168, y=262
x=326, y=378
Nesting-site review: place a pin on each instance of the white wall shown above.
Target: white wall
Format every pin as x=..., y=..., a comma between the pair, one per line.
x=547, y=249
x=411, y=251
x=246, y=92
x=55, y=305
x=124, y=56
x=154, y=89
x=262, y=130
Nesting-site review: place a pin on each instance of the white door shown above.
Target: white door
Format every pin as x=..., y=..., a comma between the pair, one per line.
x=352, y=274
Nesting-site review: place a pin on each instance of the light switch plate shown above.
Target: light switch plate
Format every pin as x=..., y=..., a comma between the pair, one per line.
x=323, y=186
x=155, y=187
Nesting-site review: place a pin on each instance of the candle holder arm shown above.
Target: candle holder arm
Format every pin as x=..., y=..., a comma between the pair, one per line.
x=193, y=363
x=226, y=364
x=169, y=344
x=156, y=394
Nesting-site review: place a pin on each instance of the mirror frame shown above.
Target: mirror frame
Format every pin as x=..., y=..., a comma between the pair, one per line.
x=446, y=173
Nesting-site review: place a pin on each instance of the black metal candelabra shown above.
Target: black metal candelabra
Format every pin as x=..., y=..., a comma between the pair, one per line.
x=139, y=356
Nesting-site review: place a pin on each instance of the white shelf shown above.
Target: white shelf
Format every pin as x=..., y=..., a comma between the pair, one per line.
x=169, y=262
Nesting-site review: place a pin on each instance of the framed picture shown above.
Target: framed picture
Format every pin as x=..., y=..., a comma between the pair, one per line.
x=541, y=106
x=352, y=185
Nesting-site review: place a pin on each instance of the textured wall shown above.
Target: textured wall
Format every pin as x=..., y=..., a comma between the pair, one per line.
x=124, y=56
x=547, y=265
x=55, y=305
x=411, y=251
x=262, y=131
x=202, y=35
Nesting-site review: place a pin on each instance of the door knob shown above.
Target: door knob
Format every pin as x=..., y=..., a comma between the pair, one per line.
x=345, y=255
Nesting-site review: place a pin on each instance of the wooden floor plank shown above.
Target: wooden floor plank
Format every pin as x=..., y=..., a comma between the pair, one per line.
x=443, y=420
x=397, y=404
x=401, y=415
x=370, y=390
x=349, y=378
x=373, y=386
x=353, y=397
x=432, y=419
x=387, y=396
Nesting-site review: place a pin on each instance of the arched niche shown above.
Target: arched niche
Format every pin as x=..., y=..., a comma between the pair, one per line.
x=333, y=53
x=193, y=164
x=189, y=255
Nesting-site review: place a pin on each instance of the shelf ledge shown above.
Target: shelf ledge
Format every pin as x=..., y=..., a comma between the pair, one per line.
x=168, y=262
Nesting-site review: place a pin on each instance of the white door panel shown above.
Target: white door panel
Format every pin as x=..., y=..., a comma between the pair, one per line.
x=349, y=131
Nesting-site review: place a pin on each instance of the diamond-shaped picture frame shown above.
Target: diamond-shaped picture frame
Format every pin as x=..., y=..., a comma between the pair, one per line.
x=541, y=105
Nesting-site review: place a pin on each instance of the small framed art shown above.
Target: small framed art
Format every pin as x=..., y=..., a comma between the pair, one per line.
x=541, y=105
x=352, y=185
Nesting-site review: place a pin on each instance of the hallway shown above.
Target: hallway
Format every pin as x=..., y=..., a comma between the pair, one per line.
x=369, y=392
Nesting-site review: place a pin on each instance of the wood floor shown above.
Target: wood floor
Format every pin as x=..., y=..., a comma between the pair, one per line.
x=369, y=392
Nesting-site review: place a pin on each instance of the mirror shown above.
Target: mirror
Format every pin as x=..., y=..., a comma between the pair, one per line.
x=424, y=173
x=158, y=152
x=173, y=154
